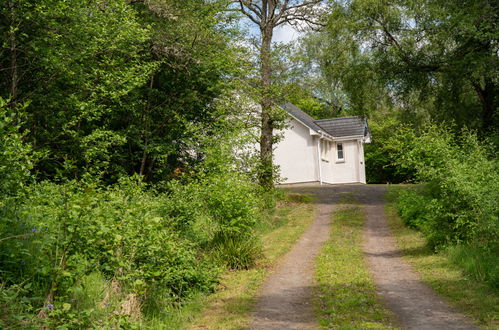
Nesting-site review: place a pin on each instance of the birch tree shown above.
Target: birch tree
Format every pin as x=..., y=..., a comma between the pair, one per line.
x=268, y=15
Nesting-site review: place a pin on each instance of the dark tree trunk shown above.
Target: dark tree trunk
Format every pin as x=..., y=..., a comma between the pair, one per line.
x=488, y=97
x=14, y=75
x=266, y=177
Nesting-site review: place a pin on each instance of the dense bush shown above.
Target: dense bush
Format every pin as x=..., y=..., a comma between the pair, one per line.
x=15, y=156
x=456, y=204
x=63, y=232
x=383, y=153
x=142, y=244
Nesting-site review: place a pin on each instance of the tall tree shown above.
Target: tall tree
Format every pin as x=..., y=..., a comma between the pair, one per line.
x=190, y=40
x=112, y=87
x=440, y=53
x=267, y=15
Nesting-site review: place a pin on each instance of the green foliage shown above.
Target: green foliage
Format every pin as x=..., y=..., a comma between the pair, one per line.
x=218, y=213
x=423, y=60
x=477, y=262
x=171, y=245
x=458, y=202
x=15, y=155
x=61, y=233
x=113, y=86
x=382, y=155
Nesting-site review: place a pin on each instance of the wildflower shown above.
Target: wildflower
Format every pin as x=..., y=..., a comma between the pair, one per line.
x=49, y=306
x=33, y=230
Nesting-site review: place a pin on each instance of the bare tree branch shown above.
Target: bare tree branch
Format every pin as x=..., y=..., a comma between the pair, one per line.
x=252, y=6
x=251, y=17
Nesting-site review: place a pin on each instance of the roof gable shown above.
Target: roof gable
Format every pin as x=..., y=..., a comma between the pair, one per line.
x=301, y=116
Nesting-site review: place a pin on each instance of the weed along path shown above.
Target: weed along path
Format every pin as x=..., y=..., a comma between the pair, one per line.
x=288, y=298
x=285, y=300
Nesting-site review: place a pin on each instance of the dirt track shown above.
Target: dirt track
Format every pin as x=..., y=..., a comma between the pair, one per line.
x=285, y=299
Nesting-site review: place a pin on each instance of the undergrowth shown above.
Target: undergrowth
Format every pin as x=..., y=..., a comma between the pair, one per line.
x=80, y=255
x=455, y=206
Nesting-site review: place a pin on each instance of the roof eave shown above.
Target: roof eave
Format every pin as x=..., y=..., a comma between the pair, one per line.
x=301, y=122
x=351, y=137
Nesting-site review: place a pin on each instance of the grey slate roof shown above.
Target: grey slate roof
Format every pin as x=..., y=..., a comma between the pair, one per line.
x=336, y=127
x=345, y=126
x=301, y=116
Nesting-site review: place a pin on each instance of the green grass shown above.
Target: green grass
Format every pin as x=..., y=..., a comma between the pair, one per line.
x=346, y=295
x=482, y=265
x=471, y=297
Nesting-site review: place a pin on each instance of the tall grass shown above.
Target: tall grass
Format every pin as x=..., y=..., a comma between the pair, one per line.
x=479, y=264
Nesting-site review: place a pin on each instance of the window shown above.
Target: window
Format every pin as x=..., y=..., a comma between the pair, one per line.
x=339, y=152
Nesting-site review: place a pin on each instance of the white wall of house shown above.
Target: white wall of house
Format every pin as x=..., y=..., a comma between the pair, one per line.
x=296, y=154
x=327, y=158
x=346, y=170
x=298, y=158
x=362, y=162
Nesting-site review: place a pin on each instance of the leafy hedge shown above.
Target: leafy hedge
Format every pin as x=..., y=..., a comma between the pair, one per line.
x=457, y=204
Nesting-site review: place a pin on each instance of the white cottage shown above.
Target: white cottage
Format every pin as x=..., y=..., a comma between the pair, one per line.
x=325, y=151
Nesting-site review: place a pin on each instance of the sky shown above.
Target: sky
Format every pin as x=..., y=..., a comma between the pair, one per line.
x=283, y=33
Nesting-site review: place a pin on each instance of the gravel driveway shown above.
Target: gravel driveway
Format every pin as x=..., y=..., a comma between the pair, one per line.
x=285, y=299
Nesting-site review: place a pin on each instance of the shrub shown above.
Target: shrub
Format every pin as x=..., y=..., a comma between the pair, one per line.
x=15, y=155
x=389, y=142
x=237, y=252
x=67, y=231
x=420, y=211
x=216, y=210
x=458, y=201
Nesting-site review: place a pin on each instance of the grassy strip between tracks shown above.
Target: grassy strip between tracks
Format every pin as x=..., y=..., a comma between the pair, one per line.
x=346, y=295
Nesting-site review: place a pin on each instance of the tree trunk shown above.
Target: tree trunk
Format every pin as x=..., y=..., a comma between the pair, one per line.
x=14, y=76
x=146, y=126
x=144, y=160
x=487, y=95
x=268, y=14
x=266, y=178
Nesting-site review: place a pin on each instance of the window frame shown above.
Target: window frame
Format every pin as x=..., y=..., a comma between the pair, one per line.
x=339, y=147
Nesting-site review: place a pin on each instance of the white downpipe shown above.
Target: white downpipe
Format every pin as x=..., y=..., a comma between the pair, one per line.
x=319, y=158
